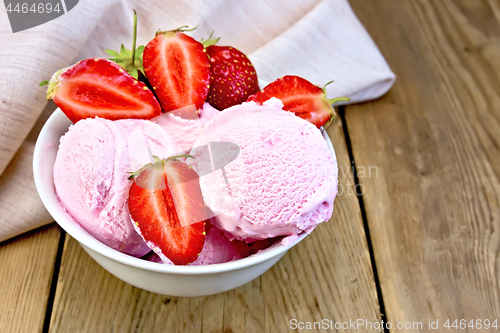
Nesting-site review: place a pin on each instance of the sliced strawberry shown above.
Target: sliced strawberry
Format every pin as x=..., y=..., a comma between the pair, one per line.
x=99, y=87
x=300, y=97
x=177, y=67
x=167, y=209
x=232, y=76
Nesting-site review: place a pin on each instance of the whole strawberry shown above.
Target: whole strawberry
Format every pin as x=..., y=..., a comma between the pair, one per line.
x=232, y=76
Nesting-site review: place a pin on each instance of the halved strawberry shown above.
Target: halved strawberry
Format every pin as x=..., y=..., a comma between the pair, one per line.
x=177, y=67
x=99, y=87
x=232, y=75
x=167, y=209
x=300, y=97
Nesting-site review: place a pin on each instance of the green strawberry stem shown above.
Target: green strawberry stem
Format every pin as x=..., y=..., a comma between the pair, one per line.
x=54, y=81
x=338, y=99
x=334, y=100
x=134, y=38
x=184, y=28
x=174, y=158
x=130, y=60
x=326, y=85
x=209, y=41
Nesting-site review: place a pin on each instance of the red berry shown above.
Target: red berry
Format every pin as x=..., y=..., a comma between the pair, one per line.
x=232, y=77
x=99, y=87
x=300, y=97
x=177, y=67
x=168, y=211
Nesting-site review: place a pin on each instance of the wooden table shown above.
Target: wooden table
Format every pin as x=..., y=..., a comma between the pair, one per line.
x=421, y=243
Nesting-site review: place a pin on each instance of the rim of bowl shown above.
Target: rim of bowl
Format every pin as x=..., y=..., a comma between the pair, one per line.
x=49, y=199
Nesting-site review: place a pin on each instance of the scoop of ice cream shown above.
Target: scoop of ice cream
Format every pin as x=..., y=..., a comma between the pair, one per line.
x=184, y=125
x=207, y=113
x=283, y=181
x=217, y=249
x=91, y=179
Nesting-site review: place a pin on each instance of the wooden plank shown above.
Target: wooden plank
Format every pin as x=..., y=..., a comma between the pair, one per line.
x=26, y=275
x=434, y=209
x=328, y=275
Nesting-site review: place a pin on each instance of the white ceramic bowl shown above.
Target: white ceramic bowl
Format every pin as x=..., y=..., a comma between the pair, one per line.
x=151, y=276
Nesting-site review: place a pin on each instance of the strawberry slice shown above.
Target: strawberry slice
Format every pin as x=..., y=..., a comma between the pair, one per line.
x=300, y=97
x=177, y=67
x=232, y=75
x=99, y=87
x=167, y=209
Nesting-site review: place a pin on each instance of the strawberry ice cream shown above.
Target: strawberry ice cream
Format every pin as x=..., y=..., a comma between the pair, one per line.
x=91, y=173
x=217, y=249
x=185, y=124
x=284, y=180
x=280, y=182
x=91, y=179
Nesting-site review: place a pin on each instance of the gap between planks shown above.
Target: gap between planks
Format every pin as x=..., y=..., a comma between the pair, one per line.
x=341, y=110
x=53, y=285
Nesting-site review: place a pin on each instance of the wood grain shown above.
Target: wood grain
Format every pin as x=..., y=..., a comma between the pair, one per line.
x=434, y=209
x=328, y=275
x=26, y=275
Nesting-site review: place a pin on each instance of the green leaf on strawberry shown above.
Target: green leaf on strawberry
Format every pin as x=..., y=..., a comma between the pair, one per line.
x=130, y=60
x=210, y=41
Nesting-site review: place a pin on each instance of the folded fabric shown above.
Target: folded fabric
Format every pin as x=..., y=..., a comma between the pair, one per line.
x=318, y=40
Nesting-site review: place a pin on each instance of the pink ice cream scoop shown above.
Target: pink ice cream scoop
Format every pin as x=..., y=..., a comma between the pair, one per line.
x=91, y=179
x=217, y=249
x=185, y=129
x=283, y=181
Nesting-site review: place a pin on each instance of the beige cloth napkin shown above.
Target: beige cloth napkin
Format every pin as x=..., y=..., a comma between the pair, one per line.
x=318, y=40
